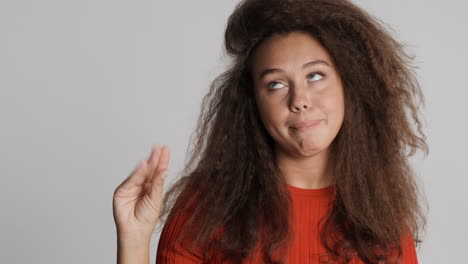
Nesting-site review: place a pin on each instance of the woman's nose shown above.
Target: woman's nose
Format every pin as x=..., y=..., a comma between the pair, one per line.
x=299, y=97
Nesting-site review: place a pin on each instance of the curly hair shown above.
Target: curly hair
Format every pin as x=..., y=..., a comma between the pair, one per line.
x=231, y=184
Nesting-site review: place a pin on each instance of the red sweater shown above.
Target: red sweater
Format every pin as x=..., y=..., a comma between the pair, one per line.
x=310, y=205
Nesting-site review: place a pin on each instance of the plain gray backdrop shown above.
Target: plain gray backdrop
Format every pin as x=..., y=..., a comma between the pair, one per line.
x=87, y=87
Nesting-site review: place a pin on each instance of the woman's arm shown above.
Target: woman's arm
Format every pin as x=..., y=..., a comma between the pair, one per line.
x=133, y=251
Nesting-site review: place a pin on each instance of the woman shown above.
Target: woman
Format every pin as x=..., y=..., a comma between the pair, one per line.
x=300, y=151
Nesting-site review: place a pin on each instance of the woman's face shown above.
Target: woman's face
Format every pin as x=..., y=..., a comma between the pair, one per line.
x=296, y=84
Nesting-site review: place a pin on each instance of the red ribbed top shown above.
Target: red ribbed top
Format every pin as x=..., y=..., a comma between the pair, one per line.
x=310, y=206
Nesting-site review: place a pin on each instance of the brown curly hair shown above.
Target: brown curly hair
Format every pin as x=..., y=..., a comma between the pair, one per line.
x=231, y=182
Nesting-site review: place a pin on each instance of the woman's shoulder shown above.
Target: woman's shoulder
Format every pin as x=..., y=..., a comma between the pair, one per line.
x=173, y=245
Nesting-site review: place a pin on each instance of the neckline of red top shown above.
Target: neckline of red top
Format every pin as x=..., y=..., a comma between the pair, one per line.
x=322, y=192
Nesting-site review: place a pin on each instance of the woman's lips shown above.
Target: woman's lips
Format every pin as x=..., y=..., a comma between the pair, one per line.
x=307, y=125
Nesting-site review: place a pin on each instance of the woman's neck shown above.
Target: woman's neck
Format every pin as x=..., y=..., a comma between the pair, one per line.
x=307, y=172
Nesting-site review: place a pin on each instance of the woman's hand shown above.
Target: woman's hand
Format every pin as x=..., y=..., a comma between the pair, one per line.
x=137, y=200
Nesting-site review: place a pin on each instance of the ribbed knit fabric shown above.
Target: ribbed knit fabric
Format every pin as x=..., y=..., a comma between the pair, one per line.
x=310, y=205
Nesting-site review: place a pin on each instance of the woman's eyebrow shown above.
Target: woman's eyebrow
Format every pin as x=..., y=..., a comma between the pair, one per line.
x=310, y=63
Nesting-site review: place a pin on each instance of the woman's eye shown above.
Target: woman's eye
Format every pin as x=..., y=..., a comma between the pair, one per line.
x=314, y=75
x=271, y=83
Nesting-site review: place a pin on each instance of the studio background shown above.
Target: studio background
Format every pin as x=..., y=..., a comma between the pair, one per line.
x=87, y=87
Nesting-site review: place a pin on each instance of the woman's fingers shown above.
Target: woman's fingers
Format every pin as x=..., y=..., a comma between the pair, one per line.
x=143, y=171
x=153, y=159
x=163, y=161
x=157, y=180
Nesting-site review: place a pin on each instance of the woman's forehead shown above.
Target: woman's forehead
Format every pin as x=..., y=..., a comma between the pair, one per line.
x=299, y=49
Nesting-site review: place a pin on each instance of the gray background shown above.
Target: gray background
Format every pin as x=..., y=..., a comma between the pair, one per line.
x=87, y=87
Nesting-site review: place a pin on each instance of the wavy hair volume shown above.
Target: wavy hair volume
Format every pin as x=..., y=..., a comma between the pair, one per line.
x=231, y=185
